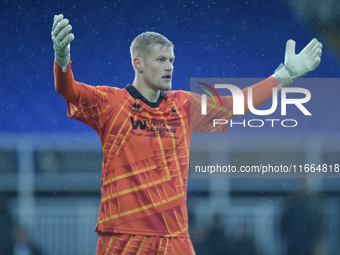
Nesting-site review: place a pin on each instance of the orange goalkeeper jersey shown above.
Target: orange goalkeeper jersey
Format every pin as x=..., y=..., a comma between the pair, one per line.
x=145, y=152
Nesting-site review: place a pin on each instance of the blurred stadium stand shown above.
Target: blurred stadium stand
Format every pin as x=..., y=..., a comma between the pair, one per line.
x=54, y=182
x=50, y=165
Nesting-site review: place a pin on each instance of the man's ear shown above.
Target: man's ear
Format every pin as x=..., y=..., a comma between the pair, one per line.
x=138, y=64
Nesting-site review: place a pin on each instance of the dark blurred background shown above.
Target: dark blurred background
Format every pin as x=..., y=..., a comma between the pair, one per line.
x=50, y=164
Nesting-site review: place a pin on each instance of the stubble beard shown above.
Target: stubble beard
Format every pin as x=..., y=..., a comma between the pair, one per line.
x=168, y=86
x=164, y=85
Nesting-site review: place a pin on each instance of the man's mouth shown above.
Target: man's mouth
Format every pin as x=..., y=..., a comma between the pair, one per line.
x=167, y=77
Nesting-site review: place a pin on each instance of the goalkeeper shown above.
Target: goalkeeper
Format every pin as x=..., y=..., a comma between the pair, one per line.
x=145, y=132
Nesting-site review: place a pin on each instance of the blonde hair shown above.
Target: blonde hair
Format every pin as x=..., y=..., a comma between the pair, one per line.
x=144, y=42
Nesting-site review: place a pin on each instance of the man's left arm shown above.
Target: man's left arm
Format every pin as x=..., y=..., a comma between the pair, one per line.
x=295, y=66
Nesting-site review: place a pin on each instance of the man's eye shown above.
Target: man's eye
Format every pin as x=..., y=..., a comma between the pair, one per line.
x=160, y=60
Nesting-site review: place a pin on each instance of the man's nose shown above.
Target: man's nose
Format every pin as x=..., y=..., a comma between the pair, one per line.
x=169, y=66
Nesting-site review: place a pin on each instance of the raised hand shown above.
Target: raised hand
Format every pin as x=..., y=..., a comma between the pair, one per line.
x=61, y=38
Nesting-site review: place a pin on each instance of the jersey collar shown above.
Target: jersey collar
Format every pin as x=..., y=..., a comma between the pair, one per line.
x=136, y=94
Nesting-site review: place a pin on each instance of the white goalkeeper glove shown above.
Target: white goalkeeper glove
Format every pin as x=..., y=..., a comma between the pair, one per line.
x=61, y=38
x=297, y=66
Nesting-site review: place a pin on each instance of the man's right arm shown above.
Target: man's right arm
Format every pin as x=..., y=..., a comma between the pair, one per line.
x=64, y=82
x=65, y=85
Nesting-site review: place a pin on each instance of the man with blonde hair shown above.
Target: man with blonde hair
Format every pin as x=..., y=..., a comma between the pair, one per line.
x=145, y=132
